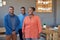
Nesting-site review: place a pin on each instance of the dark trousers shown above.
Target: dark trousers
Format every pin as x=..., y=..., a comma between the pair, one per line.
x=20, y=34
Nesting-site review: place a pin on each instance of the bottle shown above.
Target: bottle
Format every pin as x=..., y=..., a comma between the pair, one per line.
x=44, y=26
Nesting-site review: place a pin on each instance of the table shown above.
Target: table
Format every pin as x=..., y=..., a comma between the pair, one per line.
x=51, y=34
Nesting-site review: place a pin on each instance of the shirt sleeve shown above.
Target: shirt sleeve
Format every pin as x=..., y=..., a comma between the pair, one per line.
x=39, y=25
x=23, y=27
x=18, y=22
x=8, y=30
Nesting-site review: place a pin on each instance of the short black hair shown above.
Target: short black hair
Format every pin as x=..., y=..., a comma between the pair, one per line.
x=22, y=8
x=11, y=7
x=33, y=8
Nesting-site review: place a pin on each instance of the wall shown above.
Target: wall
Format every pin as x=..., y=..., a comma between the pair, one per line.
x=47, y=18
x=58, y=12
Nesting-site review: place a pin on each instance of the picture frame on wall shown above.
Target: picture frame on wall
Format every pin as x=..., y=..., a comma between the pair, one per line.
x=0, y=3
x=43, y=5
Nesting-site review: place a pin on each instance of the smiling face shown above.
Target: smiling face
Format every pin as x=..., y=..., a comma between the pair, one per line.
x=30, y=11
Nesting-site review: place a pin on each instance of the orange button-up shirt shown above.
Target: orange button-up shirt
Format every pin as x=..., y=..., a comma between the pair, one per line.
x=32, y=27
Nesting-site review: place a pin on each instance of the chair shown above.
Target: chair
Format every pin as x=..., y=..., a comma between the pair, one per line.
x=58, y=32
x=2, y=32
x=48, y=34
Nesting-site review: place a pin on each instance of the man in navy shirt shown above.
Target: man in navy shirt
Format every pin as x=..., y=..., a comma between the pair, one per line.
x=21, y=18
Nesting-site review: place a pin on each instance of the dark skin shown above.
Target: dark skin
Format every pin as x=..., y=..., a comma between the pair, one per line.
x=30, y=12
x=22, y=11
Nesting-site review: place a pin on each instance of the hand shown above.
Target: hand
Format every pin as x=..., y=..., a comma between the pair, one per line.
x=39, y=36
x=14, y=36
x=23, y=36
x=13, y=32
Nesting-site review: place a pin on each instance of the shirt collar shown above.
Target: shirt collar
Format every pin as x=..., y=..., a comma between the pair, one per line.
x=11, y=15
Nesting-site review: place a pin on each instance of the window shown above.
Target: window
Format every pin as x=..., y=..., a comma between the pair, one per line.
x=0, y=3
x=44, y=6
